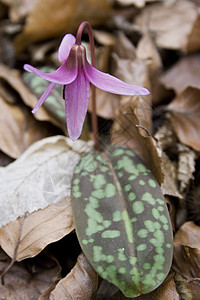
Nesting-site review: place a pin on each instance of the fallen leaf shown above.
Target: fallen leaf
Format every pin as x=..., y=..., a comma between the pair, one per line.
x=27, y=279
x=147, y=51
x=186, y=290
x=187, y=250
x=137, y=3
x=7, y=51
x=37, y=230
x=184, y=236
x=5, y=159
x=178, y=172
x=19, y=10
x=193, y=203
x=175, y=24
x=169, y=169
x=41, y=176
x=80, y=284
x=126, y=133
x=184, y=114
x=42, y=24
x=132, y=71
x=135, y=72
x=13, y=78
x=167, y=290
x=124, y=48
x=106, y=104
x=104, y=38
x=188, y=67
x=165, y=135
x=186, y=166
x=18, y=129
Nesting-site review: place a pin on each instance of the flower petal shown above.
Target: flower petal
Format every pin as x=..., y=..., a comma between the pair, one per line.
x=76, y=103
x=65, y=46
x=44, y=96
x=63, y=75
x=110, y=83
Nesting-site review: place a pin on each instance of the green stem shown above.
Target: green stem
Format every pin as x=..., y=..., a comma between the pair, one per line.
x=92, y=49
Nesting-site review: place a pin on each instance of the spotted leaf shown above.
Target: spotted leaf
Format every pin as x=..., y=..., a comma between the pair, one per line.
x=122, y=221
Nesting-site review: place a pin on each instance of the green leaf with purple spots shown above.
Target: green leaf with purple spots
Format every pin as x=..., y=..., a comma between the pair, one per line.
x=122, y=221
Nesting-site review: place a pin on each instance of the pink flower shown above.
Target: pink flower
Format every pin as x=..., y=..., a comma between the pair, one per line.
x=76, y=74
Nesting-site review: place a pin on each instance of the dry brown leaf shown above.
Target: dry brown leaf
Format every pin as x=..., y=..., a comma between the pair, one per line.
x=5, y=159
x=165, y=135
x=125, y=132
x=189, y=69
x=43, y=24
x=124, y=48
x=175, y=24
x=148, y=52
x=167, y=290
x=18, y=10
x=132, y=71
x=80, y=284
x=169, y=170
x=28, y=279
x=187, y=250
x=187, y=260
x=104, y=38
x=106, y=104
x=135, y=72
x=193, y=203
x=19, y=129
x=188, y=234
x=180, y=171
x=13, y=78
x=184, y=114
x=137, y=3
x=37, y=230
x=41, y=176
x=187, y=290
x=186, y=166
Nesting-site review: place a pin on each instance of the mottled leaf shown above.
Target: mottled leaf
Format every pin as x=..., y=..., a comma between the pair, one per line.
x=122, y=221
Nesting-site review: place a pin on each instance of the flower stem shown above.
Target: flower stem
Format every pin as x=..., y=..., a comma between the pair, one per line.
x=92, y=50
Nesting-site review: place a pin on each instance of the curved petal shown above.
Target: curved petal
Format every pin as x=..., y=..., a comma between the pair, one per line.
x=63, y=75
x=44, y=96
x=65, y=46
x=110, y=83
x=76, y=103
